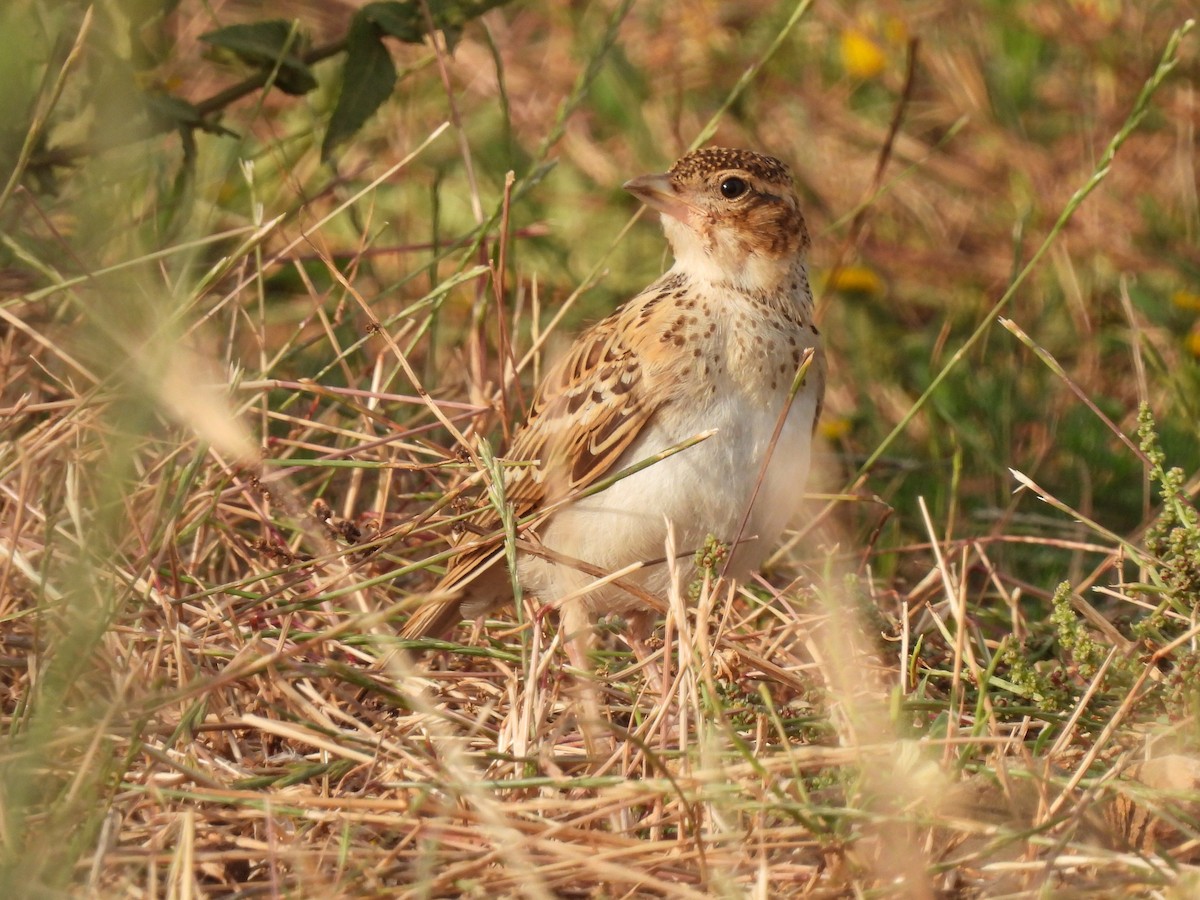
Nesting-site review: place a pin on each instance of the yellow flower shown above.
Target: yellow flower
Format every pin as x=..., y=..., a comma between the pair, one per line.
x=834, y=428
x=862, y=57
x=1186, y=300
x=856, y=280
x=1192, y=342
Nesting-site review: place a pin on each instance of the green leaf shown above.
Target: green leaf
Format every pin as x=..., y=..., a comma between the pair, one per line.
x=400, y=20
x=295, y=78
x=457, y=13
x=255, y=42
x=403, y=19
x=266, y=45
x=168, y=112
x=367, y=80
x=370, y=76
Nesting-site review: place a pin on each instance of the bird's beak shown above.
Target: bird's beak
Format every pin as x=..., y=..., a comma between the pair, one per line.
x=657, y=192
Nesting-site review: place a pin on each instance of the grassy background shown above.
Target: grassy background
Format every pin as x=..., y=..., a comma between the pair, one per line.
x=220, y=486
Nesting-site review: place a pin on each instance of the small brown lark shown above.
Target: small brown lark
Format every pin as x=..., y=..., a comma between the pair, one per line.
x=715, y=344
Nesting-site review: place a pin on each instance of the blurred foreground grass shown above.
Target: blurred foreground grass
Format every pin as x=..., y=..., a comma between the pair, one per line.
x=221, y=483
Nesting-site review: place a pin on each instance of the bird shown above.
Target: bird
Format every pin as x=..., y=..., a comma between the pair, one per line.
x=723, y=345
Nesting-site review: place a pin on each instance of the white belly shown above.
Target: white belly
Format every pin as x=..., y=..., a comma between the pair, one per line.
x=705, y=489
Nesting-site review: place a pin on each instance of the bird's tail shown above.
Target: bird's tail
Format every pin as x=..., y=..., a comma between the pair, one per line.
x=474, y=586
x=433, y=619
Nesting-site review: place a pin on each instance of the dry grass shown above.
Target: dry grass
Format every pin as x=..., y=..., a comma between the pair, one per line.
x=235, y=402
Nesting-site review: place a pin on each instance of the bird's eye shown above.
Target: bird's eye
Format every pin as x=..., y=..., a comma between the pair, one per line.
x=733, y=187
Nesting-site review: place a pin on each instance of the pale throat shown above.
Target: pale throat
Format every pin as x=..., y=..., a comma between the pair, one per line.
x=729, y=264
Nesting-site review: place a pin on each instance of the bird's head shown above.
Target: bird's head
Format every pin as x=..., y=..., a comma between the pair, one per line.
x=730, y=216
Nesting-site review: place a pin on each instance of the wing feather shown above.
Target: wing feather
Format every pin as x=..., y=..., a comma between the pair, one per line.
x=588, y=410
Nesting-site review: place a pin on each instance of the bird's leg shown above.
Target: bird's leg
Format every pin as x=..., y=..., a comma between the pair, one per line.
x=639, y=626
x=580, y=640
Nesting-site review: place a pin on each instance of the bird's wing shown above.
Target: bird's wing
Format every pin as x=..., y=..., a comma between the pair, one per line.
x=587, y=412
